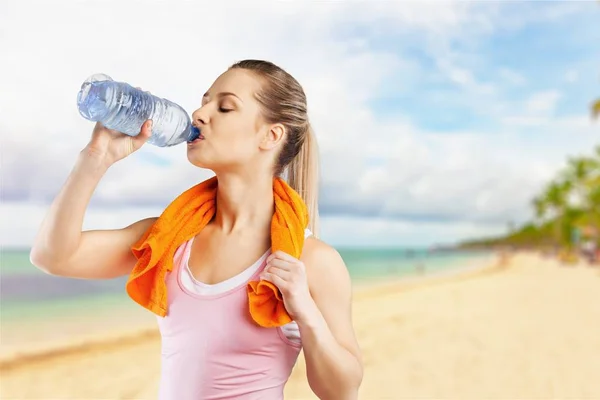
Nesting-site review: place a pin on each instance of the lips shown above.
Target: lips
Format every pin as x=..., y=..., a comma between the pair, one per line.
x=195, y=135
x=193, y=142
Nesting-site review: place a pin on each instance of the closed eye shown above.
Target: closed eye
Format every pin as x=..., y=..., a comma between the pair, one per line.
x=224, y=110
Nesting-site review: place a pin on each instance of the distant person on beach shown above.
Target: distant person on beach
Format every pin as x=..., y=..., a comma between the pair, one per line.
x=254, y=127
x=589, y=251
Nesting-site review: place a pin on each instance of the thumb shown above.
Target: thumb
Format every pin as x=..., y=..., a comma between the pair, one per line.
x=144, y=134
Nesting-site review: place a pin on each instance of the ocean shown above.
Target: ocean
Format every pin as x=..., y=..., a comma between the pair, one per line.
x=26, y=292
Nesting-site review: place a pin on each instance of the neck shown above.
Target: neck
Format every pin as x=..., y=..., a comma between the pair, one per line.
x=244, y=202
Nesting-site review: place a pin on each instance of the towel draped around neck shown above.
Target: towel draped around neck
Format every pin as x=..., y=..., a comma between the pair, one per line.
x=184, y=218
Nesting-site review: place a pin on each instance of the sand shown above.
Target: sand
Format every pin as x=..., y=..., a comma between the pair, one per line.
x=527, y=329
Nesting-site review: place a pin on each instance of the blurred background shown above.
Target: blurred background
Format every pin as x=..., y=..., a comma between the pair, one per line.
x=460, y=182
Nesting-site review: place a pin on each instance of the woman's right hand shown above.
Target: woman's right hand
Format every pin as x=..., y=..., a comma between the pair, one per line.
x=109, y=146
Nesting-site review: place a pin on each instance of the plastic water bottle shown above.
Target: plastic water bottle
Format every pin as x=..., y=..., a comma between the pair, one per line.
x=120, y=106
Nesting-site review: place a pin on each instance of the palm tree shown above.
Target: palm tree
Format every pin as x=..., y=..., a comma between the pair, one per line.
x=540, y=207
x=578, y=173
x=584, y=175
x=594, y=200
x=554, y=203
x=596, y=109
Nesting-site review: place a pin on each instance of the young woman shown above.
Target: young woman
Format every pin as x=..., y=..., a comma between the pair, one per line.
x=254, y=127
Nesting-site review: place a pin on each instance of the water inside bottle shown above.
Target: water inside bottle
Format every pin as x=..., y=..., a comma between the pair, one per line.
x=121, y=107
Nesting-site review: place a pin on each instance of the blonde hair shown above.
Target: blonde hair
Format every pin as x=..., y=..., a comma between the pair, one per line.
x=283, y=101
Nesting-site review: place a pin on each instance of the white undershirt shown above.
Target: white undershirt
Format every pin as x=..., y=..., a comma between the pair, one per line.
x=290, y=330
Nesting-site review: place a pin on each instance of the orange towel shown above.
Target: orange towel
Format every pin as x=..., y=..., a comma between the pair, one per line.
x=184, y=218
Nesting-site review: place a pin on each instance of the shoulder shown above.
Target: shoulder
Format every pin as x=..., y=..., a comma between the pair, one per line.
x=324, y=264
x=316, y=250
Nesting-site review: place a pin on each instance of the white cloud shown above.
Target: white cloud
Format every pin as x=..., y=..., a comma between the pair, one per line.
x=25, y=218
x=512, y=77
x=572, y=76
x=365, y=232
x=20, y=221
x=460, y=181
x=543, y=103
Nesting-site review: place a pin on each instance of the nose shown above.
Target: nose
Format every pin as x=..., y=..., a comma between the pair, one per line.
x=200, y=117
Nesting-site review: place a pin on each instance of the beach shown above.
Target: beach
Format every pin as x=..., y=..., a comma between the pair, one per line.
x=525, y=328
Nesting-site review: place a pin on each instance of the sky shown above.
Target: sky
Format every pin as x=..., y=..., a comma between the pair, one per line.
x=436, y=121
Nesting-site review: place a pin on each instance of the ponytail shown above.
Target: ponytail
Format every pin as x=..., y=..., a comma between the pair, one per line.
x=303, y=177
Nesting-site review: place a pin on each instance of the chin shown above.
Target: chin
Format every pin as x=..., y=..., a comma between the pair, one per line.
x=197, y=160
x=202, y=162
x=214, y=162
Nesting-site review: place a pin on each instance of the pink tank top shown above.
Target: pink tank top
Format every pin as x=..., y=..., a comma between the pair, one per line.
x=212, y=349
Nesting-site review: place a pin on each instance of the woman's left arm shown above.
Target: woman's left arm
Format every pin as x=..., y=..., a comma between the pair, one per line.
x=333, y=361
x=317, y=292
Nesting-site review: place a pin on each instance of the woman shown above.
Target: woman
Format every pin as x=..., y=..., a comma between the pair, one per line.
x=254, y=126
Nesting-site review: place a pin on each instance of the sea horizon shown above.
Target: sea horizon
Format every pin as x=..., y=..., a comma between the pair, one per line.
x=24, y=286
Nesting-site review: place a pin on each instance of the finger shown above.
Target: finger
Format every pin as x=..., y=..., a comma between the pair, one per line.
x=286, y=275
x=281, y=255
x=274, y=279
x=281, y=264
x=145, y=132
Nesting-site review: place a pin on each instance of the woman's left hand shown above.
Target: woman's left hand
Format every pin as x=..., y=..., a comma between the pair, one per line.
x=289, y=275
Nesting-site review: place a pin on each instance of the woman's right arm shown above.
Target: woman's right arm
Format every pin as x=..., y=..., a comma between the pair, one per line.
x=61, y=247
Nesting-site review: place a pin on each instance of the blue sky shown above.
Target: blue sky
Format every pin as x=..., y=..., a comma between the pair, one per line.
x=437, y=121
x=516, y=61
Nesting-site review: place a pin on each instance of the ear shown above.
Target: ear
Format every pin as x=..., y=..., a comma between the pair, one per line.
x=273, y=137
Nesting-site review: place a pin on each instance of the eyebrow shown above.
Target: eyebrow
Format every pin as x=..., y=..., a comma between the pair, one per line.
x=223, y=94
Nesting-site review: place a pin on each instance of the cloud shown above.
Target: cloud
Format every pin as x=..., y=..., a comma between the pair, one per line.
x=511, y=77
x=542, y=103
x=337, y=230
x=427, y=114
x=572, y=76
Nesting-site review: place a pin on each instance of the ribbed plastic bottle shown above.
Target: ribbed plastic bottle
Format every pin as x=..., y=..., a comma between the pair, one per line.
x=120, y=106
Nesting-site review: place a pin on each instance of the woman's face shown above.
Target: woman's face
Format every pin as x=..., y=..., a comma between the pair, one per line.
x=233, y=134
